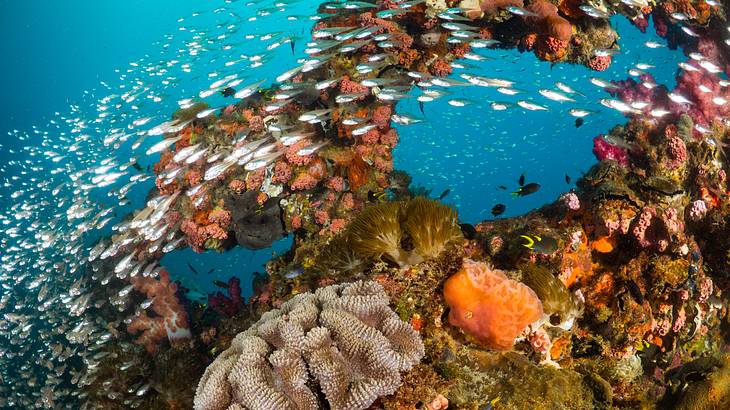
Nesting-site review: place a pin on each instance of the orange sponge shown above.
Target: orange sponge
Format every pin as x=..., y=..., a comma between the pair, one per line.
x=489, y=306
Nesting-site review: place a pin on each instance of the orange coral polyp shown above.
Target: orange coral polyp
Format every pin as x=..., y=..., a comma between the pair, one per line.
x=489, y=306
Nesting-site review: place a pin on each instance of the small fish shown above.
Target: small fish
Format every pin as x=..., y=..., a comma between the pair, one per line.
x=444, y=194
x=294, y=272
x=377, y=197
x=519, y=11
x=567, y=179
x=540, y=244
x=191, y=268
x=530, y=106
x=521, y=180
x=528, y=189
x=221, y=284
x=635, y=291
x=593, y=12
x=468, y=230
x=502, y=187
x=578, y=122
x=554, y=95
x=498, y=209
x=228, y=92
x=654, y=44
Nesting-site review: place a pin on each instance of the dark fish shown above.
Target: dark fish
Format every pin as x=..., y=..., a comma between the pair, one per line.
x=220, y=284
x=137, y=166
x=469, y=231
x=521, y=181
x=578, y=122
x=191, y=268
x=443, y=194
x=292, y=44
x=210, y=271
x=228, y=92
x=635, y=291
x=528, y=189
x=377, y=197
x=567, y=179
x=502, y=187
x=148, y=168
x=420, y=106
x=540, y=244
x=498, y=209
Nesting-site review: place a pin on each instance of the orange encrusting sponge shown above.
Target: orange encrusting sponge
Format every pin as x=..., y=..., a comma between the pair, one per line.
x=489, y=306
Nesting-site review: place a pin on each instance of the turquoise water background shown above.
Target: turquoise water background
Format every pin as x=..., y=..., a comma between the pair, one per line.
x=56, y=53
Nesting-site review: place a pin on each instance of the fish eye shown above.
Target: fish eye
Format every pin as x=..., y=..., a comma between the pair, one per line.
x=555, y=319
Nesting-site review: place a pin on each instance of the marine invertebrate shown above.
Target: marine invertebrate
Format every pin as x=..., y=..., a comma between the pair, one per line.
x=377, y=232
x=427, y=225
x=489, y=306
x=256, y=226
x=605, y=151
x=431, y=226
x=228, y=305
x=170, y=318
x=343, y=336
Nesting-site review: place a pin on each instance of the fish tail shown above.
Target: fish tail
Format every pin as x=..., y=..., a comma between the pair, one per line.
x=530, y=243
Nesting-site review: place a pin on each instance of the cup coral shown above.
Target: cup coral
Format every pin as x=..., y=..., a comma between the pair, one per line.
x=489, y=306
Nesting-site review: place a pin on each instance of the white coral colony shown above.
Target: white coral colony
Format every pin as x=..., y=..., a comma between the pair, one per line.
x=344, y=336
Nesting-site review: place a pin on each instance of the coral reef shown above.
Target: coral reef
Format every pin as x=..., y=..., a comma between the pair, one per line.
x=344, y=336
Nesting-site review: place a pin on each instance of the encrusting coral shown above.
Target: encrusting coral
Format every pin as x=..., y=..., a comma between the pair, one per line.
x=353, y=344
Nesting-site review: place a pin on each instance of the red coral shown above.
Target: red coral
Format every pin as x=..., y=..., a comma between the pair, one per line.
x=291, y=153
x=282, y=172
x=348, y=86
x=230, y=305
x=371, y=137
x=440, y=68
x=381, y=115
x=599, y=63
x=237, y=186
x=336, y=184
x=389, y=138
x=255, y=179
x=303, y=182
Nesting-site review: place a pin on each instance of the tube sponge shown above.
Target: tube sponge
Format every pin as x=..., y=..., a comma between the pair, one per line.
x=489, y=306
